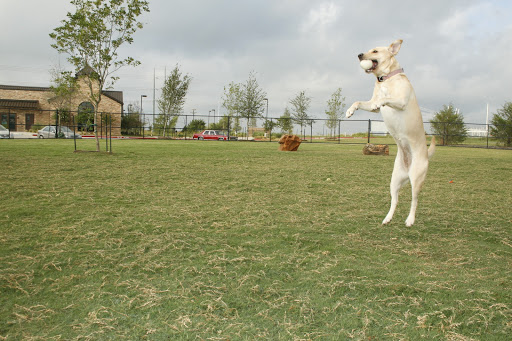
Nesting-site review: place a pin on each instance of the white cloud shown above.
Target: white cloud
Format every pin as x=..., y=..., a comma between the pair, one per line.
x=321, y=17
x=454, y=51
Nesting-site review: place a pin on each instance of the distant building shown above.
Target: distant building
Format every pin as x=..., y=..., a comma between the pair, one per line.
x=379, y=128
x=478, y=132
x=25, y=108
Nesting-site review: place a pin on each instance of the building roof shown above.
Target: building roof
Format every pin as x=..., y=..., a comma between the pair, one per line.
x=19, y=104
x=86, y=71
x=25, y=88
x=114, y=95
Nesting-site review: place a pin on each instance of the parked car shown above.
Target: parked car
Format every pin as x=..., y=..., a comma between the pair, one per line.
x=211, y=135
x=48, y=132
x=4, y=132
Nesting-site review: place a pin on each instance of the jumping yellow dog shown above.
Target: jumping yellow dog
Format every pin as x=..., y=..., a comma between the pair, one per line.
x=394, y=97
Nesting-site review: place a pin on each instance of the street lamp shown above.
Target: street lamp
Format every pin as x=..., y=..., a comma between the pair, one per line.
x=213, y=116
x=266, y=99
x=141, y=102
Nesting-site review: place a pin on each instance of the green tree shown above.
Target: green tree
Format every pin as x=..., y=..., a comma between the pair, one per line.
x=232, y=101
x=131, y=122
x=92, y=37
x=269, y=125
x=63, y=86
x=335, y=109
x=232, y=98
x=252, y=97
x=502, y=125
x=286, y=122
x=300, y=106
x=224, y=123
x=448, y=123
x=172, y=100
x=195, y=125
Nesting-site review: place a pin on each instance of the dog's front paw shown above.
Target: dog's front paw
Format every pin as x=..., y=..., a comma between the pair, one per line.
x=410, y=221
x=375, y=106
x=387, y=220
x=352, y=109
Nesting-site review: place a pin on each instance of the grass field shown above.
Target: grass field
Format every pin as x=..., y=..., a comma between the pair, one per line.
x=190, y=240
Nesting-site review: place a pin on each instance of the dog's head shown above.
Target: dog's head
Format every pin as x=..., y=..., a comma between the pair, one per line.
x=382, y=59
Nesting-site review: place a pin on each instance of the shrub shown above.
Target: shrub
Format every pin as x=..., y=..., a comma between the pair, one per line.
x=448, y=123
x=502, y=125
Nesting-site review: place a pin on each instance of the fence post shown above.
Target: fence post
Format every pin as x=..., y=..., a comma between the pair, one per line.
x=444, y=134
x=143, y=127
x=186, y=124
x=74, y=132
x=229, y=128
x=110, y=133
x=56, y=123
x=311, y=125
x=271, y=125
x=369, y=129
x=106, y=131
x=339, y=131
x=487, y=135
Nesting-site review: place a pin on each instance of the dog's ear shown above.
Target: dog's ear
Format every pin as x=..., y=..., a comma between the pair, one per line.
x=395, y=47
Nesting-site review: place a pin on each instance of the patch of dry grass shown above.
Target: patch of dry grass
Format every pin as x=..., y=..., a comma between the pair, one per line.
x=237, y=241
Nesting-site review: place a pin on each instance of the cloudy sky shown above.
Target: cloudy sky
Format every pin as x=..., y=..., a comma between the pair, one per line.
x=453, y=52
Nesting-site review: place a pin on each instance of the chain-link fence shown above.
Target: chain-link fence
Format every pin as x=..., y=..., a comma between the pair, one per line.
x=183, y=127
x=326, y=131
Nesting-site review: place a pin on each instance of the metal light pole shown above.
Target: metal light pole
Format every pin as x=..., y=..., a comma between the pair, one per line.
x=141, y=102
x=213, y=116
x=266, y=120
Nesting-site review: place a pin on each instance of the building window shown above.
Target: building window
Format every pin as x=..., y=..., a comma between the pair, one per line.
x=9, y=121
x=85, y=116
x=29, y=121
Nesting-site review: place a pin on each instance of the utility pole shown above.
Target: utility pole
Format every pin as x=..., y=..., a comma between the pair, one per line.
x=487, y=118
x=154, y=99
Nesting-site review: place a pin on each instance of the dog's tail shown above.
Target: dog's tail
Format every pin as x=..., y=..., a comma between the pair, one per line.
x=432, y=147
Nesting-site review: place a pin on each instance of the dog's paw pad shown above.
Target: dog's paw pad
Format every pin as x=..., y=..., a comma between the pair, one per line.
x=409, y=222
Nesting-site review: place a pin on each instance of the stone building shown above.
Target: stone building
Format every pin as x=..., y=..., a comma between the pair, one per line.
x=26, y=108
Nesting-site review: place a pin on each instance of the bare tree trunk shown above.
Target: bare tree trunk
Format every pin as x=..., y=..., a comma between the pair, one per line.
x=96, y=130
x=166, y=124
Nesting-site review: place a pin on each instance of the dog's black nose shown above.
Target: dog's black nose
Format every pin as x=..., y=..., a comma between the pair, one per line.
x=360, y=56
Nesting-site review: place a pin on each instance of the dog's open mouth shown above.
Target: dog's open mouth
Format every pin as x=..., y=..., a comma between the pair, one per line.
x=373, y=67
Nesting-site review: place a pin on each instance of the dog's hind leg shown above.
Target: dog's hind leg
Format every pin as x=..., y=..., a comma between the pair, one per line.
x=417, y=175
x=399, y=178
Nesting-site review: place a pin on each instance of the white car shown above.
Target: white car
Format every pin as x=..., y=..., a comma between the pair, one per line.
x=48, y=132
x=4, y=132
